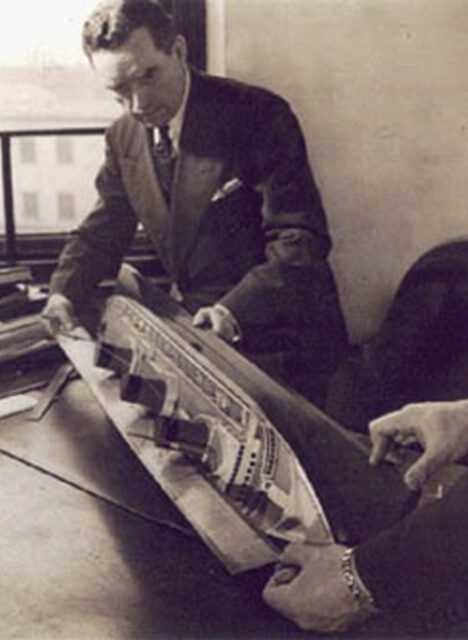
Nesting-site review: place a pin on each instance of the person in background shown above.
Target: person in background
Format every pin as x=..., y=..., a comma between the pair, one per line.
x=409, y=382
x=216, y=171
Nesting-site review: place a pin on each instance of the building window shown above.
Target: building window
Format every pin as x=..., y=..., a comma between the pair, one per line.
x=27, y=147
x=66, y=206
x=64, y=148
x=30, y=205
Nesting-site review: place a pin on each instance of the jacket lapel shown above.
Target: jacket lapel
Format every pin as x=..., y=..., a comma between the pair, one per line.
x=198, y=174
x=145, y=195
x=196, y=179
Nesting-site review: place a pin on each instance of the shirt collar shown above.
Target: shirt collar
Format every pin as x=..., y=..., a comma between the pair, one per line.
x=175, y=124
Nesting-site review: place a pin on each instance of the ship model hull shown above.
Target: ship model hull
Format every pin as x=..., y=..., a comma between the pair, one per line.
x=261, y=464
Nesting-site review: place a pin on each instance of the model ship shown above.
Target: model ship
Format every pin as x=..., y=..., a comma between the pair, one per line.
x=201, y=410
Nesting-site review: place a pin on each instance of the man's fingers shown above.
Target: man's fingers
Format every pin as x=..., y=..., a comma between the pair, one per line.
x=380, y=445
x=216, y=318
x=393, y=427
x=297, y=553
x=272, y=594
x=284, y=574
x=207, y=317
x=67, y=321
x=202, y=317
x=382, y=432
x=59, y=315
x=425, y=466
x=50, y=323
x=217, y=322
x=437, y=429
x=57, y=322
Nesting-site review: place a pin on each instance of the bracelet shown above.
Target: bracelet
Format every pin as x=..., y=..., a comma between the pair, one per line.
x=354, y=583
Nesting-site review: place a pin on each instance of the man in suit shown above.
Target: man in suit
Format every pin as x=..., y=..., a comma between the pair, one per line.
x=216, y=172
x=415, y=371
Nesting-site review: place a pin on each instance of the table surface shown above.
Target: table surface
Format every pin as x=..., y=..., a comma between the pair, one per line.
x=84, y=554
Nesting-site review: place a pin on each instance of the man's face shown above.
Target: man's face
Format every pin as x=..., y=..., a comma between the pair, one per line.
x=146, y=80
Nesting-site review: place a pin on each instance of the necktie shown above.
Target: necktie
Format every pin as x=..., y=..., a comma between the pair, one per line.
x=163, y=161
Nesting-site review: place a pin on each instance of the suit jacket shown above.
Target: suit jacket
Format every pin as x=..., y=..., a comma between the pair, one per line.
x=245, y=227
x=418, y=569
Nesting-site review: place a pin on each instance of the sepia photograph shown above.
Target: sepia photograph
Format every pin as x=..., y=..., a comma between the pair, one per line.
x=234, y=319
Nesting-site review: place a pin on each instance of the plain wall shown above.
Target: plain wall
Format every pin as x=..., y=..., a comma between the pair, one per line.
x=381, y=90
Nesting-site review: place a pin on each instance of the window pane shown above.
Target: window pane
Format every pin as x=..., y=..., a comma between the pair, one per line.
x=65, y=190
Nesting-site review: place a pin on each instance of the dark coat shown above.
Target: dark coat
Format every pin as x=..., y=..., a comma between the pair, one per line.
x=245, y=226
x=417, y=569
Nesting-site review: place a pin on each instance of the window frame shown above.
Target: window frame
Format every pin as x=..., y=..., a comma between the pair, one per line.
x=40, y=250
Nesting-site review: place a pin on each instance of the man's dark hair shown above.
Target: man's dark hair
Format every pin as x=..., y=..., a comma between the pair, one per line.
x=113, y=21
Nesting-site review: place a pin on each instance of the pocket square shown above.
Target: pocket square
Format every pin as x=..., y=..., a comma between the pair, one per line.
x=228, y=187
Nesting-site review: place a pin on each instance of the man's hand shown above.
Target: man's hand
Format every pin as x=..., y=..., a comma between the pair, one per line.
x=59, y=314
x=308, y=588
x=440, y=428
x=220, y=320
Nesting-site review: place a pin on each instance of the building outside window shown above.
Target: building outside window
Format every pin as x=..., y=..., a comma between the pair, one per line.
x=30, y=205
x=66, y=207
x=27, y=150
x=64, y=148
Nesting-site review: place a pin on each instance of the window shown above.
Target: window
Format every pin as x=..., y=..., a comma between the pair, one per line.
x=56, y=185
x=30, y=205
x=27, y=148
x=66, y=207
x=64, y=149
x=53, y=112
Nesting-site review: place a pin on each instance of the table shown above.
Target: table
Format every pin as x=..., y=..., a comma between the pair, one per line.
x=75, y=565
